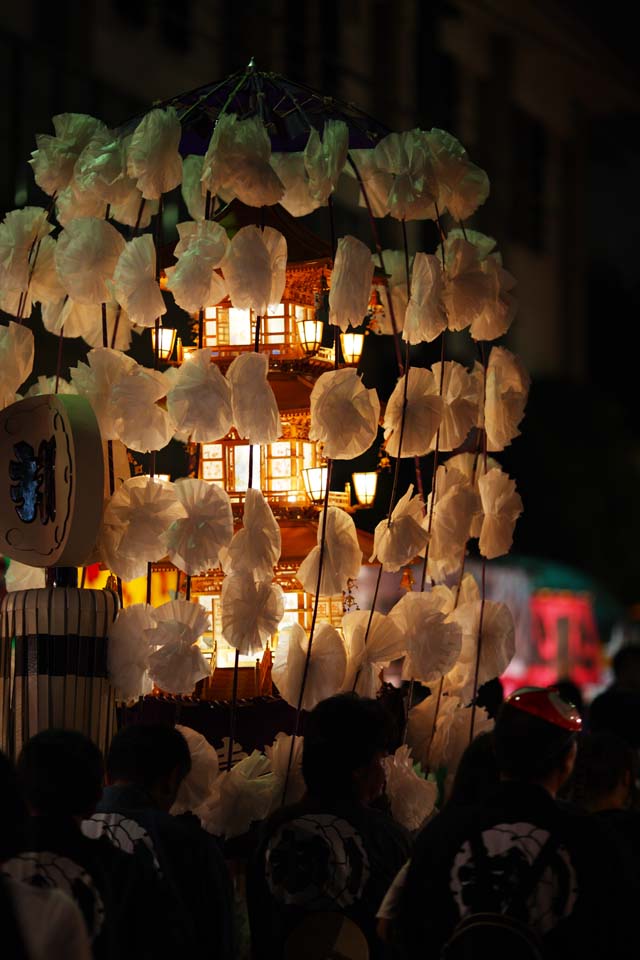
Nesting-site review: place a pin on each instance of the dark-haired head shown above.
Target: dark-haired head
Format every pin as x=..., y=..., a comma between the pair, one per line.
x=477, y=774
x=345, y=739
x=151, y=756
x=626, y=667
x=61, y=773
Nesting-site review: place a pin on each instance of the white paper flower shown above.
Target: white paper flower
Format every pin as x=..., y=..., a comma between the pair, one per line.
x=255, y=548
x=290, y=169
x=453, y=733
x=20, y=233
x=502, y=506
x=199, y=401
x=194, y=281
x=134, y=282
x=251, y=612
x=278, y=754
x=406, y=155
x=95, y=381
x=19, y=576
x=76, y=204
x=412, y=798
x=350, y=283
x=393, y=293
x=425, y=316
x=101, y=169
x=153, y=159
x=342, y=556
x=344, y=414
x=86, y=321
x=195, y=541
x=376, y=183
x=324, y=159
x=55, y=157
x=422, y=417
x=460, y=412
x=236, y=163
x=196, y=788
x=16, y=360
x=468, y=288
x=253, y=403
x=365, y=662
x=454, y=514
x=255, y=268
x=327, y=664
x=399, y=540
x=462, y=186
x=433, y=644
x=128, y=652
x=472, y=467
x=177, y=664
x=45, y=285
x=241, y=796
x=86, y=255
x=506, y=395
x=420, y=728
x=136, y=523
x=497, y=646
x=135, y=211
x=47, y=385
x=141, y=423
x=191, y=187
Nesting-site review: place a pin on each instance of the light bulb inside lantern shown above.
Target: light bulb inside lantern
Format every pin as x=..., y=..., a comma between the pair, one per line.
x=166, y=342
x=315, y=481
x=352, y=344
x=365, y=486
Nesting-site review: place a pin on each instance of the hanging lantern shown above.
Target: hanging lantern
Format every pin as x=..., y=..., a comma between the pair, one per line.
x=352, y=344
x=315, y=481
x=365, y=486
x=166, y=342
x=310, y=334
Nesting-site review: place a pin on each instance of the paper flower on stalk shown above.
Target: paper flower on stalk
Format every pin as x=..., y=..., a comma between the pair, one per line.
x=134, y=282
x=101, y=169
x=55, y=157
x=327, y=664
x=433, y=643
x=45, y=286
x=497, y=645
x=324, y=158
x=392, y=294
x=16, y=360
x=278, y=754
x=128, y=652
x=19, y=576
x=399, y=540
x=241, y=796
x=342, y=556
x=425, y=316
x=153, y=160
x=255, y=268
x=505, y=397
x=290, y=169
x=136, y=524
x=365, y=661
x=462, y=186
x=191, y=187
x=95, y=381
x=350, y=283
x=412, y=798
x=199, y=401
x=87, y=252
x=196, y=788
x=344, y=414
x=236, y=163
x=422, y=417
x=477, y=289
x=21, y=232
x=46, y=385
x=253, y=403
x=76, y=204
x=141, y=423
x=501, y=506
x=177, y=664
x=193, y=281
x=255, y=548
x=86, y=321
x=406, y=156
x=454, y=513
x=135, y=211
x=460, y=403
x=453, y=733
x=195, y=541
x=472, y=467
x=251, y=612
x=373, y=181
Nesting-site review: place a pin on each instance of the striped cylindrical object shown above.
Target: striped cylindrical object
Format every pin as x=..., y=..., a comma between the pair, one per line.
x=53, y=664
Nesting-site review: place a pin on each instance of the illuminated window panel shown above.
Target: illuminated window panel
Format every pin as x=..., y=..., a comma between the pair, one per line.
x=280, y=468
x=239, y=327
x=212, y=470
x=240, y=452
x=211, y=332
x=212, y=451
x=280, y=449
